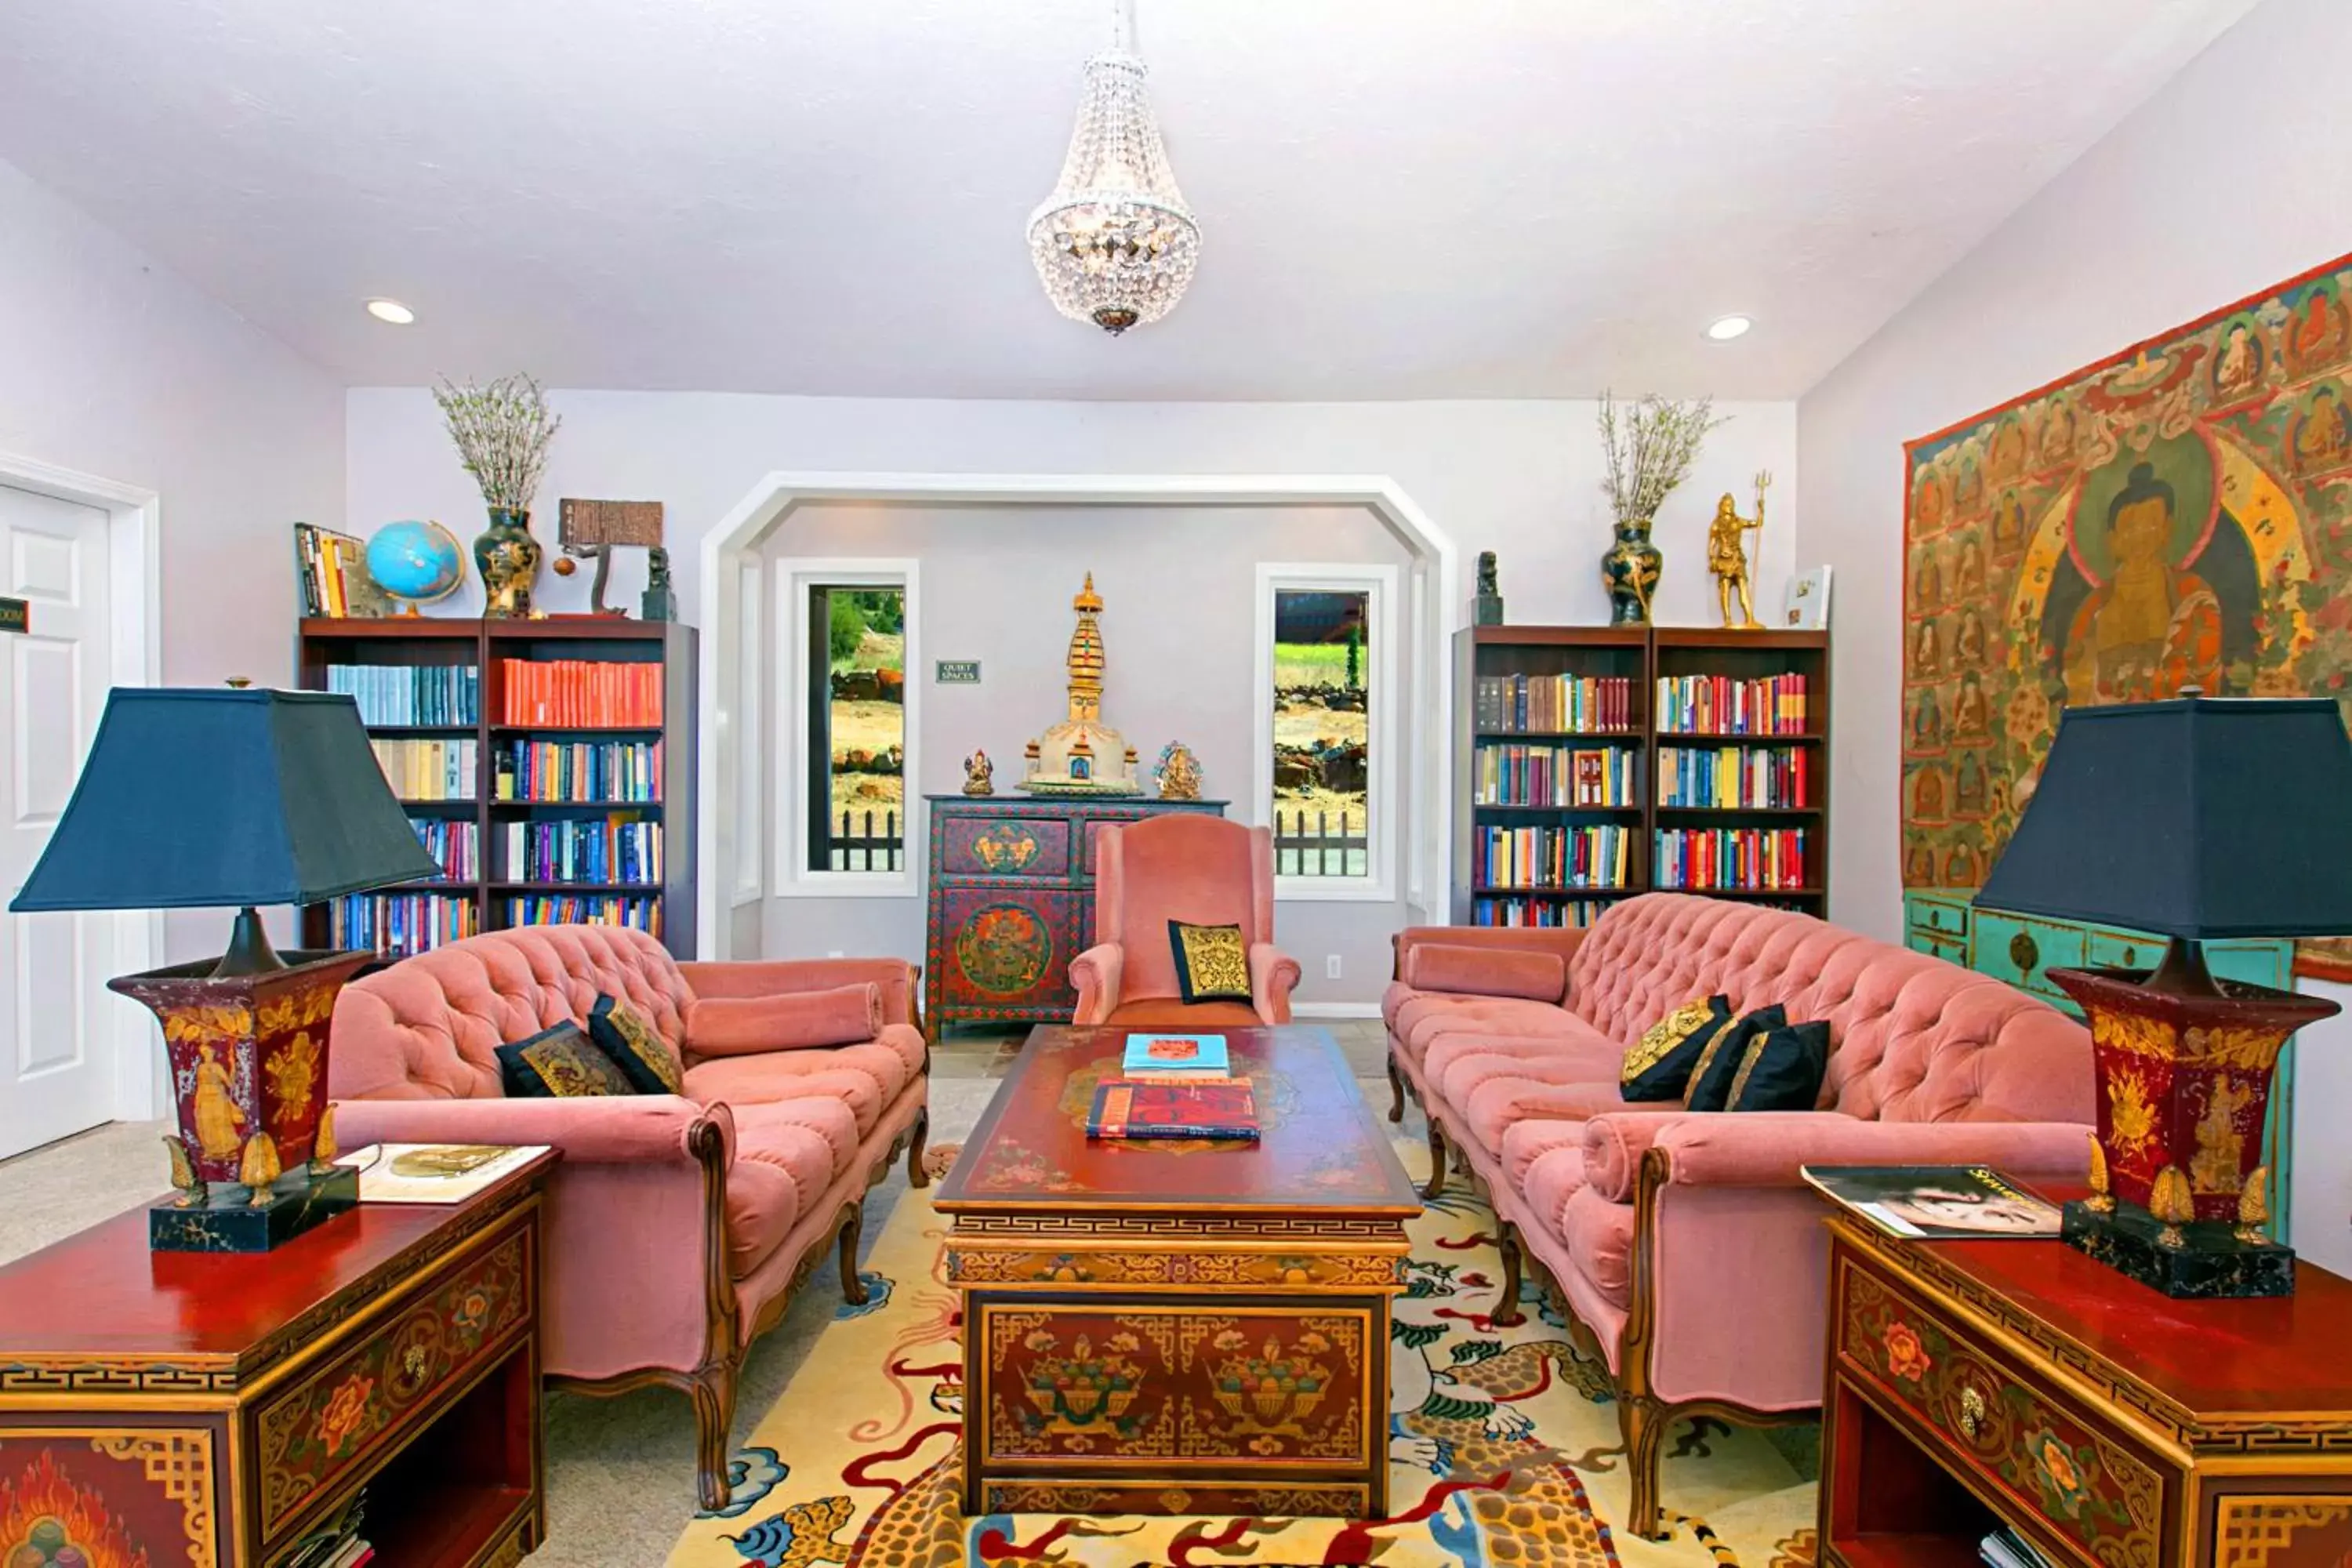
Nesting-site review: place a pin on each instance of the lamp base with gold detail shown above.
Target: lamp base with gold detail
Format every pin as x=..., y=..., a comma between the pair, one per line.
x=2182, y=1067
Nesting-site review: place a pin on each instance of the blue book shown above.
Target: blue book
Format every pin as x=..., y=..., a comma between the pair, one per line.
x=1203, y=1054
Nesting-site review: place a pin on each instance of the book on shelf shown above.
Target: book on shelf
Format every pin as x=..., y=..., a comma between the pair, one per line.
x=434, y=1172
x=455, y=844
x=639, y=911
x=1935, y=1202
x=1173, y=1108
x=578, y=770
x=1724, y=705
x=1724, y=778
x=1514, y=909
x=2004, y=1548
x=1507, y=858
x=1734, y=859
x=1553, y=704
x=1175, y=1054
x=421, y=769
x=411, y=695
x=395, y=925
x=1592, y=777
x=617, y=849
x=336, y=1543
x=589, y=694
x=330, y=569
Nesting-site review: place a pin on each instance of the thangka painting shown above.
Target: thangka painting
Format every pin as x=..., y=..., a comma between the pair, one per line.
x=2180, y=515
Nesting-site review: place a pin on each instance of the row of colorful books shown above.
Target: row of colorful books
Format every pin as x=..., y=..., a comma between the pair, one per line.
x=332, y=571
x=411, y=694
x=580, y=693
x=1507, y=857
x=578, y=770
x=1730, y=776
x=1721, y=705
x=1736, y=858
x=1551, y=704
x=1552, y=775
x=455, y=845
x=637, y=911
x=1497, y=910
x=397, y=924
x=615, y=850
x=428, y=768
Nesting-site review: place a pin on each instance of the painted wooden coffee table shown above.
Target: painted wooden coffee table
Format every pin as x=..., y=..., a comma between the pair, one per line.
x=1177, y=1328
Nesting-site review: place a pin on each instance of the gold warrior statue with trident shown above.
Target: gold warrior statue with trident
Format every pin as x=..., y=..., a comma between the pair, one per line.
x=1726, y=559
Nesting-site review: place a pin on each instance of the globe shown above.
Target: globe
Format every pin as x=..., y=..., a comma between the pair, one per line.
x=417, y=560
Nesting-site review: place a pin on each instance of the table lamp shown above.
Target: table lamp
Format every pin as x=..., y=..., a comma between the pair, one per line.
x=232, y=799
x=2197, y=819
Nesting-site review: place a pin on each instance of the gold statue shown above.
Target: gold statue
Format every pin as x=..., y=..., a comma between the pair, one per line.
x=2254, y=1207
x=1728, y=562
x=2101, y=1200
x=322, y=1143
x=184, y=1180
x=2170, y=1201
x=1179, y=772
x=260, y=1168
x=979, y=774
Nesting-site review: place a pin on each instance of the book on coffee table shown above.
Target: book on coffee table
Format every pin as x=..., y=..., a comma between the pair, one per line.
x=1202, y=1054
x=1936, y=1203
x=1173, y=1108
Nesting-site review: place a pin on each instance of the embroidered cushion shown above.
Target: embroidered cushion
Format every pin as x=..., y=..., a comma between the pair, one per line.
x=621, y=1033
x=1781, y=1068
x=559, y=1063
x=784, y=1021
x=1211, y=962
x=1711, y=1076
x=1485, y=971
x=1660, y=1065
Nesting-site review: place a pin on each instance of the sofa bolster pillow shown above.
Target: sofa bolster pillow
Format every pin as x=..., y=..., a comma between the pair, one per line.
x=1485, y=971
x=745, y=1025
x=1769, y=1148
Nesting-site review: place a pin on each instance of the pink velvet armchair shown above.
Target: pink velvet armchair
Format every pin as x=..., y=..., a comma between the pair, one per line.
x=677, y=1225
x=1202, y=870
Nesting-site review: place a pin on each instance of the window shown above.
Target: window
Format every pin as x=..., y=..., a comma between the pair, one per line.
x=847, y=792
x=1326, y=670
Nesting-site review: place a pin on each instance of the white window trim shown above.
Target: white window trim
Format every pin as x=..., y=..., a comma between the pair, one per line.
x=1382, y=820
x=793, y=879
x=751, y=781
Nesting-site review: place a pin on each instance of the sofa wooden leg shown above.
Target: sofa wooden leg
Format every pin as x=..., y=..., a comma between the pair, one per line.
x=1396, y=1088
x=1645, y=1425
x=1507, y=1313
x=713, y=1392
x=853, y=1288
x=916, y=1176
x=1436, y=1162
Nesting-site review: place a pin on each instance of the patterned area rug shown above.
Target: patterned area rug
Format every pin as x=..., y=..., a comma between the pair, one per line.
x=1502, y=1448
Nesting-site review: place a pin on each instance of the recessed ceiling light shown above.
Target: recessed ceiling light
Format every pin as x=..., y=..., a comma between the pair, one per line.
x=1729, y=327
x=392, y=310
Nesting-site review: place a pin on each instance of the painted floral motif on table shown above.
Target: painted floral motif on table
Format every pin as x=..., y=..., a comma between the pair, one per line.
x=2178, y=515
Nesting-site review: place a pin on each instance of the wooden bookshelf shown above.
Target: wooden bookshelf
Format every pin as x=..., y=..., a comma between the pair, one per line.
x=1487, y=719
x=485, y=646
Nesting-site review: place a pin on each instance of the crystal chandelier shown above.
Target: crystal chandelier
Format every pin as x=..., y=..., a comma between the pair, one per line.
x=1114, y=243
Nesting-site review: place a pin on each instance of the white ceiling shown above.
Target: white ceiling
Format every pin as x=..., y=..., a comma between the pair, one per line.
x=1398, y=198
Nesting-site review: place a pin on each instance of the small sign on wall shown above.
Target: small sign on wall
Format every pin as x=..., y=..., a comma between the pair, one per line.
x=16, y=616
x=955, y=672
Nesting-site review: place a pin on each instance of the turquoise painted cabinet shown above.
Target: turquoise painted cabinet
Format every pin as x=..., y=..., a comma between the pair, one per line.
x=2023, y=949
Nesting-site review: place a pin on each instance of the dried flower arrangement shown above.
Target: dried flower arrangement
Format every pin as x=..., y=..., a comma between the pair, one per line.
x=501, y=433
x=1651, y=445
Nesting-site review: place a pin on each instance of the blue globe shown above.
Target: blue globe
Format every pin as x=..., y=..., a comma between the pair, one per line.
x=415, y=561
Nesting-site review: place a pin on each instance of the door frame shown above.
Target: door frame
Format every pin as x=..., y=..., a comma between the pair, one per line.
x=134, y=657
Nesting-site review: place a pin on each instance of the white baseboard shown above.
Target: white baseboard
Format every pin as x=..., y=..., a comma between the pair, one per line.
x=1334, y=1009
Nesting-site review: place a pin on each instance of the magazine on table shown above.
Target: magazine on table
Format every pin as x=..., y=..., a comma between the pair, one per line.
x=1936, y=1203
x=434, y=1172
x=1203, y=1054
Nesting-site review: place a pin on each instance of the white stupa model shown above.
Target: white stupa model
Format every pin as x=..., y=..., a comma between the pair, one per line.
x=1082, y=756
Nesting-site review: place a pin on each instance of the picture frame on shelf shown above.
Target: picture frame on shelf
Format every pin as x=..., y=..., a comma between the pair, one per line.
x=1805, y=606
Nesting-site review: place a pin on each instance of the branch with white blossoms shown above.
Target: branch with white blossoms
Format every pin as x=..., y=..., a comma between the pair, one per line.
x=1651, y=445
x=501, y=431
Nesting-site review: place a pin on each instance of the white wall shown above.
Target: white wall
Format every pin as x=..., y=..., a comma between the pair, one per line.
x=112, y=365
x=2191, y=203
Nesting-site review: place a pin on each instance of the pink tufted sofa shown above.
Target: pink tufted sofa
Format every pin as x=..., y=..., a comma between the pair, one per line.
x=1684, y=1245
x=676, y=1226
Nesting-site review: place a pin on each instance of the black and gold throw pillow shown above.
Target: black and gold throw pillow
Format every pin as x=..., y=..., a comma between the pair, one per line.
x=623, y=1033
x=1781, y=1068
x=1211, y=962
x=1660, y=1064
x=559, y=1063
x=1710, y=1081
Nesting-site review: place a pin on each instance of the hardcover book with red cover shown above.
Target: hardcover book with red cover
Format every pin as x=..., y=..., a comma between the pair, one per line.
x=1164, y=1108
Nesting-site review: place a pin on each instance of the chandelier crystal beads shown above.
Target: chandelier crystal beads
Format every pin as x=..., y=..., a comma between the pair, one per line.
x=1114, y=243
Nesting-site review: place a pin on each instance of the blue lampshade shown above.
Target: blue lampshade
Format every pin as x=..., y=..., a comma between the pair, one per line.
x=206, y=798
x=2199, y=818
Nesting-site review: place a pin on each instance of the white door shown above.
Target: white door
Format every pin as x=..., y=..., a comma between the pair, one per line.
x=56, y=1056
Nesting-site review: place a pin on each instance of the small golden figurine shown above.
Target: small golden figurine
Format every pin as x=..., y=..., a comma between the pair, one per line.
x=260, y=1169
x=2101, y=1200
x=184, y=1180
x=2170, y=1201
x=979, y=774
x=322, y=1143
x=1179, y=772
x=2254, y=1207
x=1726, y=559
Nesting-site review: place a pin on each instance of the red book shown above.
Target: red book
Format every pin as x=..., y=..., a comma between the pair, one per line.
x=1164, y=1108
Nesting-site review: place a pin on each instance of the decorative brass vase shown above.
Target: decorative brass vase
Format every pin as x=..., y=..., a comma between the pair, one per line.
x=1630, y=568
x=508, y=558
